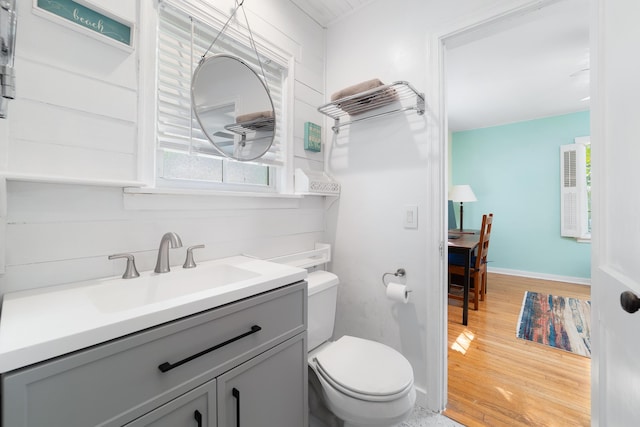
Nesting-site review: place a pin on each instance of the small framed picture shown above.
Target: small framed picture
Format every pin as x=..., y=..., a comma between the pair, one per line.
x=312, y=137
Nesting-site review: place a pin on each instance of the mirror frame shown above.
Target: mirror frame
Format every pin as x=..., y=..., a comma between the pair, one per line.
x=194, y=78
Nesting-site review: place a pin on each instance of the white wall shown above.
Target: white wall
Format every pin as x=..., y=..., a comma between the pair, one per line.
x=77, y=117
x=382, y=166
x=386, y=164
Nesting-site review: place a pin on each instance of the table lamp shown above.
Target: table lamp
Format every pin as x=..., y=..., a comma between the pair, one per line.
x=462, y=193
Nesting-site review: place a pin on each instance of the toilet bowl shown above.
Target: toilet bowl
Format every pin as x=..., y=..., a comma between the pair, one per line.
x=362, y=382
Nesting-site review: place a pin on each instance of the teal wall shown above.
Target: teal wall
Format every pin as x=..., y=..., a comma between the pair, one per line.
x=514, y=171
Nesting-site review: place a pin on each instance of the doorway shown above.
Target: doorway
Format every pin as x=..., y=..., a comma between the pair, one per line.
x=518, y=19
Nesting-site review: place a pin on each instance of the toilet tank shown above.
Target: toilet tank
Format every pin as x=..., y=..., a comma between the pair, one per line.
x=321, y=307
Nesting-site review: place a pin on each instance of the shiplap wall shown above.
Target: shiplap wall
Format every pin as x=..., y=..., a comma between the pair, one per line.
x=75, y=110
x=76, y=116
x=63, y=233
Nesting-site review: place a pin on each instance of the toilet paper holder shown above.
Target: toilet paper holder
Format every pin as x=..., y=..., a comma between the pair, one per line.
x=401, y=272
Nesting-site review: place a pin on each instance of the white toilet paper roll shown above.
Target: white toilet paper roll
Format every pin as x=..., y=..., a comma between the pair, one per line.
x=397, y=292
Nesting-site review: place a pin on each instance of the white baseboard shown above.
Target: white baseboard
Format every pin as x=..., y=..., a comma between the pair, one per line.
x=534, y=275
x=421, y=397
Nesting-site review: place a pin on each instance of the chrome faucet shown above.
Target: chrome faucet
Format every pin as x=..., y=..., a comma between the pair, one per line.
x=162, y=265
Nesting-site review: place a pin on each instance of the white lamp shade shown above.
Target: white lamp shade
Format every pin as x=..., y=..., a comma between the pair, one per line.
x=462, y=193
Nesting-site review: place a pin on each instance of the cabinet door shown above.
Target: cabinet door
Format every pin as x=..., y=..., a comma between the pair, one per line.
x=196, y=408
x=269, y=390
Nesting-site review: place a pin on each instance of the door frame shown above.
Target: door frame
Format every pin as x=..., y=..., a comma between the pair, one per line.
x=466, y=29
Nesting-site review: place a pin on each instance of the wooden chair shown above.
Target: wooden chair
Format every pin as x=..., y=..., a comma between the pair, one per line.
x=478, y=268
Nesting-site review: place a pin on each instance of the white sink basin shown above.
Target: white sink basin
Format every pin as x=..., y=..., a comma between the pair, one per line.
x=151, y=288
x=43, y=323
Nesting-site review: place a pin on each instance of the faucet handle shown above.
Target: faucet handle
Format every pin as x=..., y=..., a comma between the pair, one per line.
x=189, y=262
x=130, y=272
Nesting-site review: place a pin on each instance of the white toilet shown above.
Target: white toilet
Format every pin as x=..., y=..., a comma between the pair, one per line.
x=361, y=382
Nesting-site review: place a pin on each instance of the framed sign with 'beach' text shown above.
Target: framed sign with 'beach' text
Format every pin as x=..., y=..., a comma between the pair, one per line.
x=89, y=19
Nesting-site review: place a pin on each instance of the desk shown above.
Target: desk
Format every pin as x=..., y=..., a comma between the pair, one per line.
x=465, y=245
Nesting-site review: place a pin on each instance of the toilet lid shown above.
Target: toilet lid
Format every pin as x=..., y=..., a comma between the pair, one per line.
x=365, y=369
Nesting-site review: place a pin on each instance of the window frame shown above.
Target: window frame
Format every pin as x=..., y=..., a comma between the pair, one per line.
x=280, y=177
x=574, y=191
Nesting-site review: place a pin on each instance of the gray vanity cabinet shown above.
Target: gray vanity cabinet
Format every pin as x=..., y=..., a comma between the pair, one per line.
x=173, y=374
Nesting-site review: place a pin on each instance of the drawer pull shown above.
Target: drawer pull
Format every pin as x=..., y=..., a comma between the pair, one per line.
x=198, y=416
x=166, y=366
x=236, y=394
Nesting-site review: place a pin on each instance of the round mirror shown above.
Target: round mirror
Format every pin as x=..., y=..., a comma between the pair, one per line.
x=233, y=106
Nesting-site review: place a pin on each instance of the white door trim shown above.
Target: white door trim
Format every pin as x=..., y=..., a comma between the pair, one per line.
x=599, y=221
x=467, y=28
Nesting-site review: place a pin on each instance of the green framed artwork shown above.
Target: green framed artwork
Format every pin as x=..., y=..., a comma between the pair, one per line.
x=312, y=137
x=91, y=20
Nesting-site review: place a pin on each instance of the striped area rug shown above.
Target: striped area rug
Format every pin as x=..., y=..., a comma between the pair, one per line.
x=559, y=322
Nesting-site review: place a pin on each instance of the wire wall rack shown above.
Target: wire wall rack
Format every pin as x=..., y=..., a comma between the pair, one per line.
x=399, y=96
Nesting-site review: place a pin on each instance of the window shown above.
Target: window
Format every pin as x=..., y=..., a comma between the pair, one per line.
x=184, y=156
x=575, y=189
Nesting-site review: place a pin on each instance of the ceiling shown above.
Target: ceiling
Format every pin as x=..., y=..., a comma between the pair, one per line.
x=538, y=66
x=324, y=12
x=531, y=66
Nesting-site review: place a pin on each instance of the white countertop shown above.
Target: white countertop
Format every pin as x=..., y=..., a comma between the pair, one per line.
x=39, y=324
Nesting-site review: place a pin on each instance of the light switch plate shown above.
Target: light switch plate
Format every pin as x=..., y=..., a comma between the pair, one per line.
x=410, y=216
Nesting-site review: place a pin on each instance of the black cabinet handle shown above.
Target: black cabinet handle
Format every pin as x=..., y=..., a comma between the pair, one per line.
x=629, y=302
x=236, y=393
x=198, y=416
x=166, y=366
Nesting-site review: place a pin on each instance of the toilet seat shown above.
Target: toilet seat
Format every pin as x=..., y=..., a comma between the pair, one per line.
x=365, y=369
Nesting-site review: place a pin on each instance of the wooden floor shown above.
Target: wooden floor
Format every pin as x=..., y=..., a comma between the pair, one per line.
x=496, y=379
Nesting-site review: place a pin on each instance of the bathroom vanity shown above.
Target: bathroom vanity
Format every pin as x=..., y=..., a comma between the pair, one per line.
x=240, y=362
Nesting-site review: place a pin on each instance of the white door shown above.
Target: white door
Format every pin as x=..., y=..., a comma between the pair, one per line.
x=615, y=115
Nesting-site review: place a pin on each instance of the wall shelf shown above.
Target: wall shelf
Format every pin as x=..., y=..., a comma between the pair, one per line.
x=55, y=179
x=398, y=96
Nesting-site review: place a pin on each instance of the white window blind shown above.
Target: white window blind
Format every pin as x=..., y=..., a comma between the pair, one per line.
x=183, y=37
x=574, y=213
